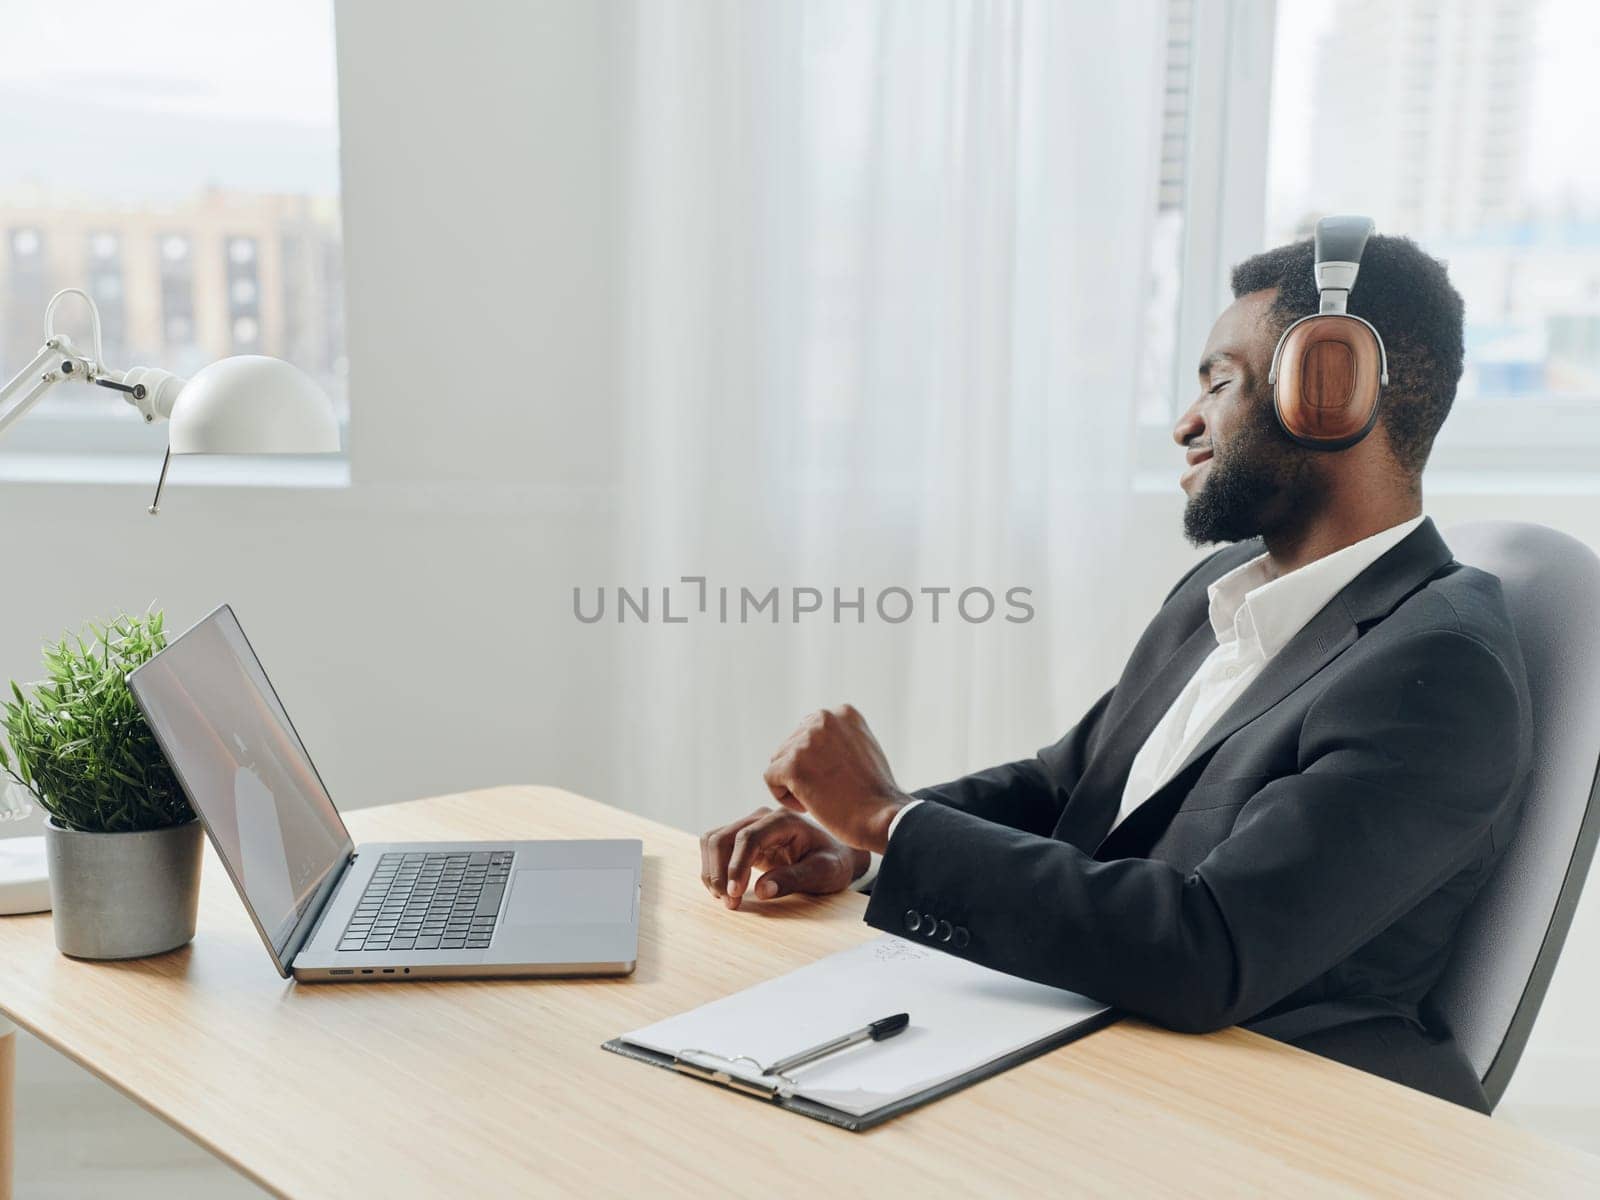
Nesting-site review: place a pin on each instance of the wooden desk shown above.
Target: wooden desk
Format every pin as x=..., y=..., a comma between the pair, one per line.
x=501, y=1088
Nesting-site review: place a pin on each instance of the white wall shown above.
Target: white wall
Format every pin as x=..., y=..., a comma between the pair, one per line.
x=418, y=623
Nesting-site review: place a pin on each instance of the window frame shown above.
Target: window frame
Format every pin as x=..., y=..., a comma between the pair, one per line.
x=1224, y=209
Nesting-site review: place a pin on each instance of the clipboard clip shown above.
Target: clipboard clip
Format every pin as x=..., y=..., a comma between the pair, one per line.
x=715, y=1068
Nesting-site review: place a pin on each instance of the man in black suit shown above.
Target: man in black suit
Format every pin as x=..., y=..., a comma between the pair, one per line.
x=1310, y=765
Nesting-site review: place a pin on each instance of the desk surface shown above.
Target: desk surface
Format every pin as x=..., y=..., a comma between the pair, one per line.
x=501, y=1088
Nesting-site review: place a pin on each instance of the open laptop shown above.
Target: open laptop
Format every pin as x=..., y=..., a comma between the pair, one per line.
x=330, y=910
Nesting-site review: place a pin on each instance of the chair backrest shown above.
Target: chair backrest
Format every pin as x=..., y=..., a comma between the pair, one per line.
x=1510, y=939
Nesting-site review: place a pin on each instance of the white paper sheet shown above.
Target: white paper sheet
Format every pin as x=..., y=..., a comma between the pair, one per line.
x=962, y=1017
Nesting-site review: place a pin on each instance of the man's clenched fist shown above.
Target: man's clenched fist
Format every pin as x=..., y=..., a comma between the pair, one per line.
x=833, y=768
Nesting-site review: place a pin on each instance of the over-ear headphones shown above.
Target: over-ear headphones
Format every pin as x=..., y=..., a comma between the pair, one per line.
x=1329, y=368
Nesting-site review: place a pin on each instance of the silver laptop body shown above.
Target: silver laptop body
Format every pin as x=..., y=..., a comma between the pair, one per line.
x=380, y=912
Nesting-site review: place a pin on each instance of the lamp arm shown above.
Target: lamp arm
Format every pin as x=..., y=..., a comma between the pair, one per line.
x=149, y=389
x=94, y=318
x=46, y=353
x=58, y=348
x=41, y=384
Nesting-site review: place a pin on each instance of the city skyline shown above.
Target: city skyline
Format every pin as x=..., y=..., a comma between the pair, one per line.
x=1556, y=172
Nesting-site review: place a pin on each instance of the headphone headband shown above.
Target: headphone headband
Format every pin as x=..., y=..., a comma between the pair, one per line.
x=1339, y=243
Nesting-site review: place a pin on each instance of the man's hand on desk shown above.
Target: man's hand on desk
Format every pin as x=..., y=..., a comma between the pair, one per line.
x=794, y=855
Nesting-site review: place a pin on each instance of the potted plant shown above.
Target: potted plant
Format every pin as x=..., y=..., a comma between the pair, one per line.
x=122, y=843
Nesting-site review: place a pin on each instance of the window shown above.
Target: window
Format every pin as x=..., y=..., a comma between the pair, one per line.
x=1464, y=124
x=1209, y=201
x=1158, y=367
x=1467, y=125
x=198, y=204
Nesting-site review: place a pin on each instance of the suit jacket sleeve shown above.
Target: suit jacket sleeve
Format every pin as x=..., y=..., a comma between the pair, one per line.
x=1028, y=794
x=1404, y=764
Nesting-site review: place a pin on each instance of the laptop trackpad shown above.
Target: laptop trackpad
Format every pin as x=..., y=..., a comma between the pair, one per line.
x=557, y=896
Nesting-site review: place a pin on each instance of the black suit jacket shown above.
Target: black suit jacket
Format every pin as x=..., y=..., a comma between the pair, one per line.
x=1309, y=863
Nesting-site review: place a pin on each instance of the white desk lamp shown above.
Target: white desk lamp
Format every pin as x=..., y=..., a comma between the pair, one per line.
x=248, y=404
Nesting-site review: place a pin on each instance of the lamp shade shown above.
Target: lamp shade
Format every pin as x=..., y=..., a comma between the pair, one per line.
x=251, y=404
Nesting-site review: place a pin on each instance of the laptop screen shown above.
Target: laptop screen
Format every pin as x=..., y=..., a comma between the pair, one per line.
x=245, y=772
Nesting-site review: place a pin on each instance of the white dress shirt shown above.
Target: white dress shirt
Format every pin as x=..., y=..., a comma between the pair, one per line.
x=1253, y=615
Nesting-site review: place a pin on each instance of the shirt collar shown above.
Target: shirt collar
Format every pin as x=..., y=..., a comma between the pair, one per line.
x=1249, y=605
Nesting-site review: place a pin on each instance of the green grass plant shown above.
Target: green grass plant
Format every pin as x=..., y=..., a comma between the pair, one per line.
x=80, y=744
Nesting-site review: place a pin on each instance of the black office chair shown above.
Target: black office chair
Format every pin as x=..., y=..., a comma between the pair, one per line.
x=1510, y=939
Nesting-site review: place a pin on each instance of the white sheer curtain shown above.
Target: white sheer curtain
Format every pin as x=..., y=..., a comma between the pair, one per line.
x=885, y=270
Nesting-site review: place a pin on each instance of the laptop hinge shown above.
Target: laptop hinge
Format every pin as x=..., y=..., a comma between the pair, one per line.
x=306, y=930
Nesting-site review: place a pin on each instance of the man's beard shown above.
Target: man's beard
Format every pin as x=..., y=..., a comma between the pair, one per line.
x=1257, y=467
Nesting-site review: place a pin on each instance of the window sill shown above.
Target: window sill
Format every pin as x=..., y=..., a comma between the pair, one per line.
x=309, y=486
x=289, y=471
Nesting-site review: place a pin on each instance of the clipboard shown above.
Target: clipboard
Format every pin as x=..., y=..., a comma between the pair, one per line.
x=968, y=1023
x=843, y=1120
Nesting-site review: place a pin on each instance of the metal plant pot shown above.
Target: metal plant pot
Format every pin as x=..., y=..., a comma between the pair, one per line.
x=123, y=895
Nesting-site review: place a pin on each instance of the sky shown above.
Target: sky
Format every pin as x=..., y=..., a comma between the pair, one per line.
x=246, y=94
x=248, y=97
x=220, y=58
x=1561, y=157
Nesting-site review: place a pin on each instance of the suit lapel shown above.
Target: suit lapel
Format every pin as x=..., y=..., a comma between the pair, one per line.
x=1378, y=591
x=1323, y=638
x=1089, y=814
x=1371, y=596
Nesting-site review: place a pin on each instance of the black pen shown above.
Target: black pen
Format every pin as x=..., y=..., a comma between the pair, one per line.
x=875, y=1032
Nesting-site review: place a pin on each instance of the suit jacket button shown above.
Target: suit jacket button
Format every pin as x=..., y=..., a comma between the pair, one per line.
x=929, y=924
x=913, y=920
x=945, y=931
x=962, y=936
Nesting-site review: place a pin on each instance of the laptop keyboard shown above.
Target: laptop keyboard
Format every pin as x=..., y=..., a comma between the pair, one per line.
x=445, y=901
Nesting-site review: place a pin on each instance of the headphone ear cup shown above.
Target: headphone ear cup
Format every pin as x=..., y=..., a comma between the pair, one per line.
x=1328, y=379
